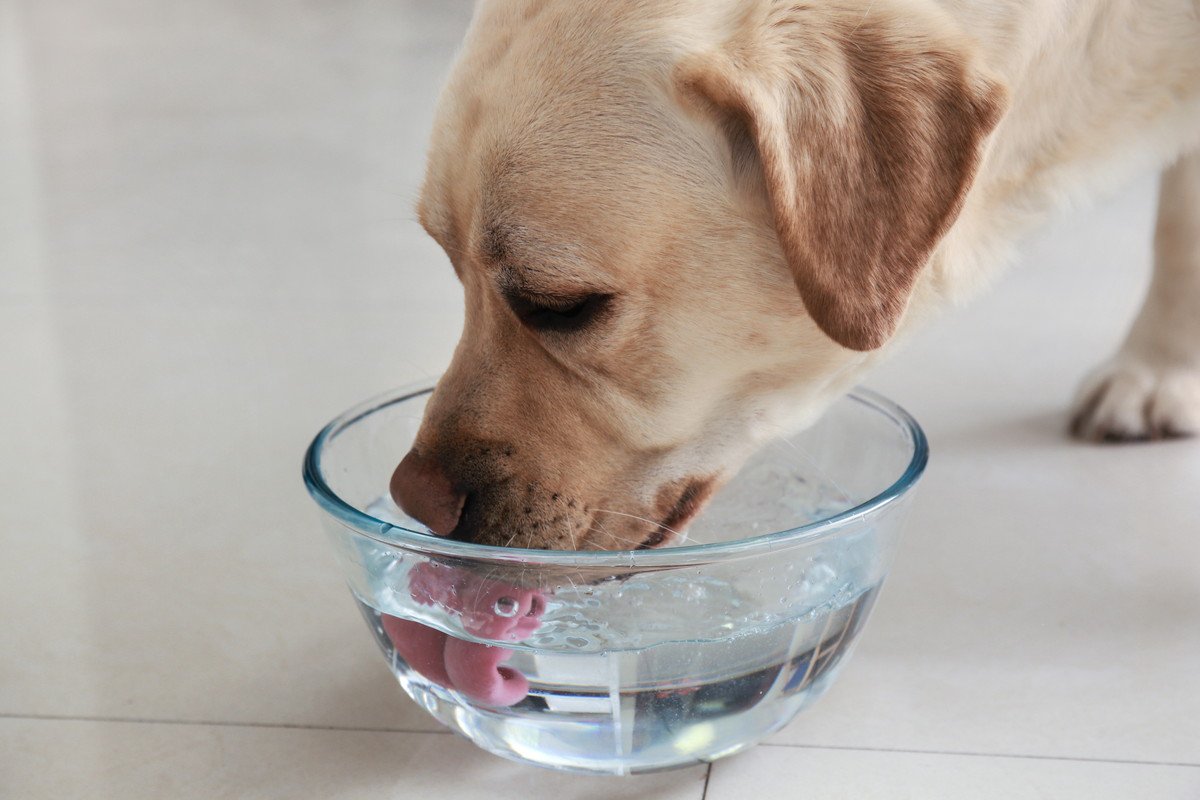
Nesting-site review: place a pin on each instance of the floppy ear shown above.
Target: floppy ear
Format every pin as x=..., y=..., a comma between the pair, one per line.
x=867, y=130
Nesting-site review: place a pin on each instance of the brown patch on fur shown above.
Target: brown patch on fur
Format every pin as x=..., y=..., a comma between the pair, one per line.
x=868, y=137
x=687, y=504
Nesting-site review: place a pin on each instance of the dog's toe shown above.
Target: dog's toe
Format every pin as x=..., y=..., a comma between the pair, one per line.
x=1131, y=400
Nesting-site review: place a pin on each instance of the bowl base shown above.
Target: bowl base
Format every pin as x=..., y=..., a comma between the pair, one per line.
x=651, y=732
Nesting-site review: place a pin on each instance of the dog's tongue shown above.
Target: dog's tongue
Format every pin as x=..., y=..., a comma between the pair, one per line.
x=468, y=667
x=488, y=609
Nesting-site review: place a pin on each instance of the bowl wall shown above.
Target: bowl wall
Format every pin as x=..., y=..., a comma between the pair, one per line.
x=629, y=661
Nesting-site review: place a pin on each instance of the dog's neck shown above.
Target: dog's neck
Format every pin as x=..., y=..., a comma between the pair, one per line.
x=1099, y=93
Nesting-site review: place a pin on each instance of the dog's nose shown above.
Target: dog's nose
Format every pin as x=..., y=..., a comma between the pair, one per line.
x=421, y=487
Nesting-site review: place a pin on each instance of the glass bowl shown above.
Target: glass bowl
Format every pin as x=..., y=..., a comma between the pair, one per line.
x=628, y=661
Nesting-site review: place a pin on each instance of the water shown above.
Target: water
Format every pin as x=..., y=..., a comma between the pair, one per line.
x=627, y=710
x=649, y=670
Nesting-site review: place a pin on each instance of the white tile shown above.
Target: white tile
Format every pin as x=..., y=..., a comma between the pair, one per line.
x=768, y=773
x=231, y=155
x=1046, y=599
x=181, y=152
x=21, y=217
x=44, y=760
x=163, y=558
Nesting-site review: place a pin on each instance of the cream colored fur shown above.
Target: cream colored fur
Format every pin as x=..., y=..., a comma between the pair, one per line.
x=571, y=156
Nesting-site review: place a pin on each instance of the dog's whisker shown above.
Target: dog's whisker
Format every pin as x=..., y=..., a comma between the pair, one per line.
x=797, y=450
x=598, y=527
x=643, y=519
x=513, y=538
x=621, y=540
x=681, y=536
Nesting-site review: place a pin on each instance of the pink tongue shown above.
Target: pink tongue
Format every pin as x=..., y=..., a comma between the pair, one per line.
x=420, y=646
x=488, y=609
x=475, y=670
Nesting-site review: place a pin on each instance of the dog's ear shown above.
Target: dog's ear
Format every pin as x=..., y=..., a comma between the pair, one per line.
x=866, y=130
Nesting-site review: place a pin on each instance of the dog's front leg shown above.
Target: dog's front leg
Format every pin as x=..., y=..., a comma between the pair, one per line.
x=1151, y=388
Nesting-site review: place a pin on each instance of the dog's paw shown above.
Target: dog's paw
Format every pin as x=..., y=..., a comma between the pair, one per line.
x=1131, y=399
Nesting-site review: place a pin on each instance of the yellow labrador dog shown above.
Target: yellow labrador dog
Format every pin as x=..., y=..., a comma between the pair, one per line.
x=686, y=226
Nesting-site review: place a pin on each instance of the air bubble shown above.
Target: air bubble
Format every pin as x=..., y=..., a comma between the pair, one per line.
x=506, y=607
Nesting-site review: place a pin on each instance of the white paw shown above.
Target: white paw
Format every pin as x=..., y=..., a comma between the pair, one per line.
x=1132, y=399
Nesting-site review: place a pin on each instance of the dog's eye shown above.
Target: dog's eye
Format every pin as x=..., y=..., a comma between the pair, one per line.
x=560, y=316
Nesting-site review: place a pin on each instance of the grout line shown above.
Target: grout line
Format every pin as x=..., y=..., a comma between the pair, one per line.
x=1033, y=756
x=707, y=774
x=216, y=724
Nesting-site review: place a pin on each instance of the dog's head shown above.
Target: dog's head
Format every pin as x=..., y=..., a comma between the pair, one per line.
x=681, y=229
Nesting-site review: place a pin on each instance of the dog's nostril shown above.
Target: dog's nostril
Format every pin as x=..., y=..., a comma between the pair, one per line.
x=421, y=487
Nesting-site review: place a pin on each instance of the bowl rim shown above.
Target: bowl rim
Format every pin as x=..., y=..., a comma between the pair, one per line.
x=427, y=544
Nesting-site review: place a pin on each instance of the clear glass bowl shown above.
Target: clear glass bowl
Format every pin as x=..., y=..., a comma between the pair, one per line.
x=628, y=661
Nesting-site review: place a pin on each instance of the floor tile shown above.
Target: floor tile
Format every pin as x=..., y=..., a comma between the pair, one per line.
x=57, y=760
x=783, y=773
x=164, y=560
x=185, y=153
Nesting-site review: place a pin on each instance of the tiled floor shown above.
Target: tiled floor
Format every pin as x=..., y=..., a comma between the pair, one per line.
x=207, y=249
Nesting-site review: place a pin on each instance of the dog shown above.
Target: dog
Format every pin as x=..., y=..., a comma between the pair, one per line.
x=684, y=227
